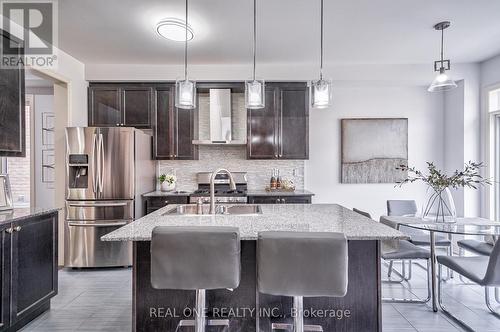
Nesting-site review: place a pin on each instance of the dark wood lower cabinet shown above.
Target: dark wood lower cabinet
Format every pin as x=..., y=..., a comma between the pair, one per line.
x=153, y=203
x=29, y=269
x=298, y=199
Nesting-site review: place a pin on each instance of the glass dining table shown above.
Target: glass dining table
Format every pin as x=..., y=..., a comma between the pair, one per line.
x=461, y=226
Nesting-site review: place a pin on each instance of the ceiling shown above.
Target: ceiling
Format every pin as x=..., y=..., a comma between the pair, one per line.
x=356, y=31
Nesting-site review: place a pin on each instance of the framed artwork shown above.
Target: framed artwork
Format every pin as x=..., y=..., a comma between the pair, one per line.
x=48, y=166
x=373, y=148
x=48, y=125
x=5, y=193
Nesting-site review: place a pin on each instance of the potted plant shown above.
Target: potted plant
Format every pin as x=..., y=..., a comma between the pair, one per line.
x=439, y=204
x=167, y=182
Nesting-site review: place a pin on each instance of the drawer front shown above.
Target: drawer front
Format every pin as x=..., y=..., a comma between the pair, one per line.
x=103, y=210
x=158, y=202
x=295, y=199
x=154, y=203
x=279, y=199
x=264, y=199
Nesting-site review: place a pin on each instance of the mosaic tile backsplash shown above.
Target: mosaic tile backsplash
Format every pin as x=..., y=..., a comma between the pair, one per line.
x=234, y=159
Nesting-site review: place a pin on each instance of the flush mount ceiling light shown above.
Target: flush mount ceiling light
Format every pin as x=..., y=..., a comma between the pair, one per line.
x=185, y=90
x=174, y=29
x=442, y=82
x=321, y=90
x=254, y=89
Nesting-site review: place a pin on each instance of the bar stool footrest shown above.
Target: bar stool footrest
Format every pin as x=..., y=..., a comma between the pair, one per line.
x=289, y=327
x=210, y=322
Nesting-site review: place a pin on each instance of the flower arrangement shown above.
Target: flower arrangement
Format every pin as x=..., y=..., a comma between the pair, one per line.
x=167, y=182
x=440, y=201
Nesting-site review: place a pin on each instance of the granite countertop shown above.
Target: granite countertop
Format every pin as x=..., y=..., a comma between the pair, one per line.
x=23, y=213
x=159, y=193
x=279, y=193
x=275, y=217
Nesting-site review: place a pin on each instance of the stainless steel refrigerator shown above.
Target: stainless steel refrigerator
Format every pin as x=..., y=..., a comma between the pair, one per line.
x=107, y=171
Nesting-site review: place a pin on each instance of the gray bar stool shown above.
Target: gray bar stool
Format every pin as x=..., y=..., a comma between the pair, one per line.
x=302, y=264
x=196, y=258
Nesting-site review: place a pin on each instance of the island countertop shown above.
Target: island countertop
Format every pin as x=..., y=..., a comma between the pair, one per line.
x=274, y=217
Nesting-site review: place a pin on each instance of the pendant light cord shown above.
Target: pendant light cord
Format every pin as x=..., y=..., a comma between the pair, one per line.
x=254, y=34
x=321, y=47
x=186, y=44
x=442, y=47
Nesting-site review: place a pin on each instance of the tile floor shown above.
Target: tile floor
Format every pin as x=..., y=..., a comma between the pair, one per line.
x=99, y=300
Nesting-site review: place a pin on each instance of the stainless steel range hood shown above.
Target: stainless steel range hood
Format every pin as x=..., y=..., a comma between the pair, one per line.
x=216, y=123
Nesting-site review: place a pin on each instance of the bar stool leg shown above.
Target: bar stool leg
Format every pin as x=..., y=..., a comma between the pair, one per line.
x=199, y=322
x=298, y=318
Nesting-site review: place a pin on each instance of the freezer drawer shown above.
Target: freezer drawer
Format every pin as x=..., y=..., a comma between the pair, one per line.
x=99, y=210
x=84, y=248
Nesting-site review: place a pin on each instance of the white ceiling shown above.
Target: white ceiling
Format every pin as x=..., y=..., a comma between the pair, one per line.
x=356, y=31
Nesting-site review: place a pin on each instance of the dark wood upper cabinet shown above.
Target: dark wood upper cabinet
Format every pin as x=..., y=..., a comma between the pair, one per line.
x=120, y=105
x=262, y=129
x=293, y=123
x=104, y=107
x=12, y=104
x=173, y=128
x=281, y=129
x=136, y=105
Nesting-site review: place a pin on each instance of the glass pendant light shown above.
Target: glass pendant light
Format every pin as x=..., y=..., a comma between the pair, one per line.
x=321, y=90
x=442, y=82
x=254, y=89
x=185, y=90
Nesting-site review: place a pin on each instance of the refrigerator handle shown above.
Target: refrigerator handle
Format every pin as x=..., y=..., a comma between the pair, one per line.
x=101, y=161
x=95, y=163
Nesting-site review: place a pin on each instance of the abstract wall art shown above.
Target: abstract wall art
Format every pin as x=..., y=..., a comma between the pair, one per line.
x=372, y=149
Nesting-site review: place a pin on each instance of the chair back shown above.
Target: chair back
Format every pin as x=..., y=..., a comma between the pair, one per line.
x=192, y=258
x=492, y=276
x=401, y=208
x=363, y=213
x=305, y=264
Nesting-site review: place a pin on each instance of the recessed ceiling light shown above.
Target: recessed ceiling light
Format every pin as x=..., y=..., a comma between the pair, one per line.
x=174, y=29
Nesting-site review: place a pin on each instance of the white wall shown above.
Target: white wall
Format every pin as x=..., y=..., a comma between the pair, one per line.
x=425, y=120
x=72, y=71
x=44, y=192
x=454, y=137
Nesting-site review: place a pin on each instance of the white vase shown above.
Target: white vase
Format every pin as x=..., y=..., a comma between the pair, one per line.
x=165, y=186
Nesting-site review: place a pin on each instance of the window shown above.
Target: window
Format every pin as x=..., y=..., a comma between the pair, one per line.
x=494, y=101
x=493, y=107
x=19, y=169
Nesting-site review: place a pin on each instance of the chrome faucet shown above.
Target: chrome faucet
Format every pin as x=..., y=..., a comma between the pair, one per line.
x=232, y=186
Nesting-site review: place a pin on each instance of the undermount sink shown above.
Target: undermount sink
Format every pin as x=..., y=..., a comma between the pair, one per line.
x=194, y=210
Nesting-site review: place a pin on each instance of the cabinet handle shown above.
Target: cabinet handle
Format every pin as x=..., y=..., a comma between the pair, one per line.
x=17, y=228
x=9, y=230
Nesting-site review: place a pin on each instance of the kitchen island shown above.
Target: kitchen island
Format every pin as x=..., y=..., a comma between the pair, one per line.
x=359, y=310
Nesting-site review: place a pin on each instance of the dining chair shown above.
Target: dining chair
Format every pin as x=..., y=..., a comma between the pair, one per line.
x=482, y=270
x=408, y=208
x=476, y=247
x=404, y=250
